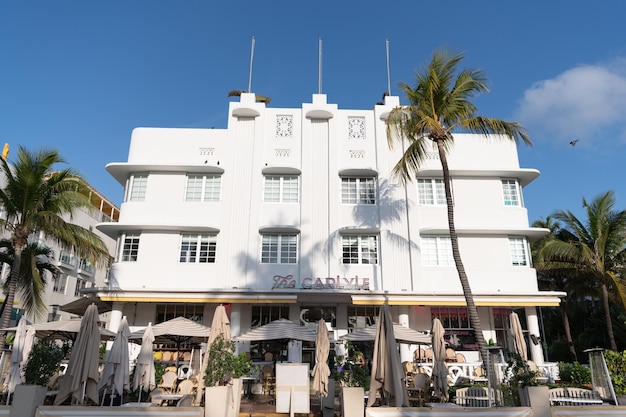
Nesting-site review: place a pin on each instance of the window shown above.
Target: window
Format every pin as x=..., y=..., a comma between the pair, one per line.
x=459, y=333
x=281, y=189
x=360, y=317
x=360, y=249
x=203, y=188
x=193, y=312
x=68, y=258
x=60, y=281
x=198, y=248
x=138, y=185
x=517, y=245
x=358, y=190
x=431, y=192
x=80, y=285
x=267, y=313
x=510, y=192
x=279, y=249
x=130, y=248
x=437, y=251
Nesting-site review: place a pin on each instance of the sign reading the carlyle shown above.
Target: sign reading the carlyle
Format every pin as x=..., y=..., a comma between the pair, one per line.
x=329, y=283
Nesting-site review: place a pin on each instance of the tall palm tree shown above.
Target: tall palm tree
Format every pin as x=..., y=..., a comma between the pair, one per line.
x=31, y=285
x=439, y=106
x=555, y=280
x=35, y=199
x=593, y=248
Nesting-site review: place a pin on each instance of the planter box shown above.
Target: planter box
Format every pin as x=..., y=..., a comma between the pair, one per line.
x=223, y=401
x=26, y=399
x=352, y=401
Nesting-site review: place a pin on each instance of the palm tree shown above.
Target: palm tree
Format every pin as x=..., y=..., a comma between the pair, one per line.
x=555, y=280
x=593, y=249
x=35, y=199
x=36, y=260
x=439, y=106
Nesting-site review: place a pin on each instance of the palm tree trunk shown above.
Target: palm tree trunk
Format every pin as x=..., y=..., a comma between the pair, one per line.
x=607, y=316
x=568, y=330
x=5, y=319
x=472, y=311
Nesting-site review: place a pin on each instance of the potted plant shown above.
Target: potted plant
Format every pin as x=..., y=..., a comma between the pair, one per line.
x=222, y=379
x=354, y=378
x=522, y=382
x=44, y=362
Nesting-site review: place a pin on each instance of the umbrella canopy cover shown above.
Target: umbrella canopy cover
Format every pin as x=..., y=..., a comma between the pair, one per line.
x=518, y=336
x=401, y=333
x=176, y=330
x=81, y=378
x=144, y=371
x=116, y=375
x=387, y=373
x=279, y=329
x=440, y=370
x=62, y=329
x=219, y=326
x=321, y=371
x=19, y=355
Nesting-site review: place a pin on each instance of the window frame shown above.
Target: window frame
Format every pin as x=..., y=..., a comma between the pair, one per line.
x=515, y=244
x=360, y=245
x=429, y=187
x=282, y=190
x=137, y=187
x=129, y=247
x=510, y=186
x=210, y=189
x=443, y=254
x=200, y=254
x=363, y=186
x=60, y=283
x=278, y=252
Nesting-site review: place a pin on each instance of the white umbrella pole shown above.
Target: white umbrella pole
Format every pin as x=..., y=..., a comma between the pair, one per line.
x=8, y=397
x=140, y=391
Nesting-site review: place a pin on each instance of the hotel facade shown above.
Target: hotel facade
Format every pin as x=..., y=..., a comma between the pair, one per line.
x=293, y=213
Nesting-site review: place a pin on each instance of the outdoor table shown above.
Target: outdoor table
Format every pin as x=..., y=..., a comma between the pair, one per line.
x=248, y=381
x=168, y=398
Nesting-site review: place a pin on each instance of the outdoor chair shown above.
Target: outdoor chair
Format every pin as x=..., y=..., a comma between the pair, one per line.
x=460, y=357
x=268, y=379
x=419, y=391
x=186, y=386
x=186, y=400
x=155, y=396
x=168, y=381
x=450, y=355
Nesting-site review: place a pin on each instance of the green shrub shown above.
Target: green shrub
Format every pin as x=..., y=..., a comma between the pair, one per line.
x=616, y=363
x=574, y=373
x=43, y=362
x=224, y=365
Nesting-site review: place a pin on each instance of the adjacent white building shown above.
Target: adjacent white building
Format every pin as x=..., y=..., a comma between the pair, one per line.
x=293, y=213
x=75, y=275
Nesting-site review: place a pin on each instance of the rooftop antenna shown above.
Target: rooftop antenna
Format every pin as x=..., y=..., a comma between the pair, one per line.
x=251, y=58
x=388, y=76
x=319, y=68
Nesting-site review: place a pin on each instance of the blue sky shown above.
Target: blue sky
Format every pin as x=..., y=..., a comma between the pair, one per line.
x=78, y=76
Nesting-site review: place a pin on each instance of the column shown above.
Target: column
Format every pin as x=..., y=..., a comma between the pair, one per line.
x=403, y=319
x=535, y=349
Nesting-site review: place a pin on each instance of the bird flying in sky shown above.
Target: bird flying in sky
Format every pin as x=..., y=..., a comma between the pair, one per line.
x=574, y=142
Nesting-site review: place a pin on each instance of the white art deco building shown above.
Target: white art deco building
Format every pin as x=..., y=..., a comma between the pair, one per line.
x=293, y=213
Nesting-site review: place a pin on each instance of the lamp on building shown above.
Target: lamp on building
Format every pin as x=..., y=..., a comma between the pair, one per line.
x=53, y=315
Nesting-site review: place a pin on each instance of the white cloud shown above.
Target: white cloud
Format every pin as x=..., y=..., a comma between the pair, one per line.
x=584, y=102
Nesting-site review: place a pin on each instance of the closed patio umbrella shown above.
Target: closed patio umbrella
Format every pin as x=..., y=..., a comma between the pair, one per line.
x=321, y=371
x=22, y=345
x=387, y=373
x=518, y=336
x=219, y=326
x=81, y=378
x=116, y=375
x=440, y=370
x=144, y=370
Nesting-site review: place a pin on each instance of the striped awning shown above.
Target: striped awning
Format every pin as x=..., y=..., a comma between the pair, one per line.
x=402, y=334
x=176, y=330
x=278, y=329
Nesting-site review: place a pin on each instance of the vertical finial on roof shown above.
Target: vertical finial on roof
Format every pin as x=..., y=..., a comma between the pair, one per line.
x=251, y=59
x=319, y=68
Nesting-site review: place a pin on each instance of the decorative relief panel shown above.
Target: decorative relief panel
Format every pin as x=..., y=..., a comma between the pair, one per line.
x=207, y=151
x=356, y=127
x=284, y=126
x=282, y=152
x=357, y=154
